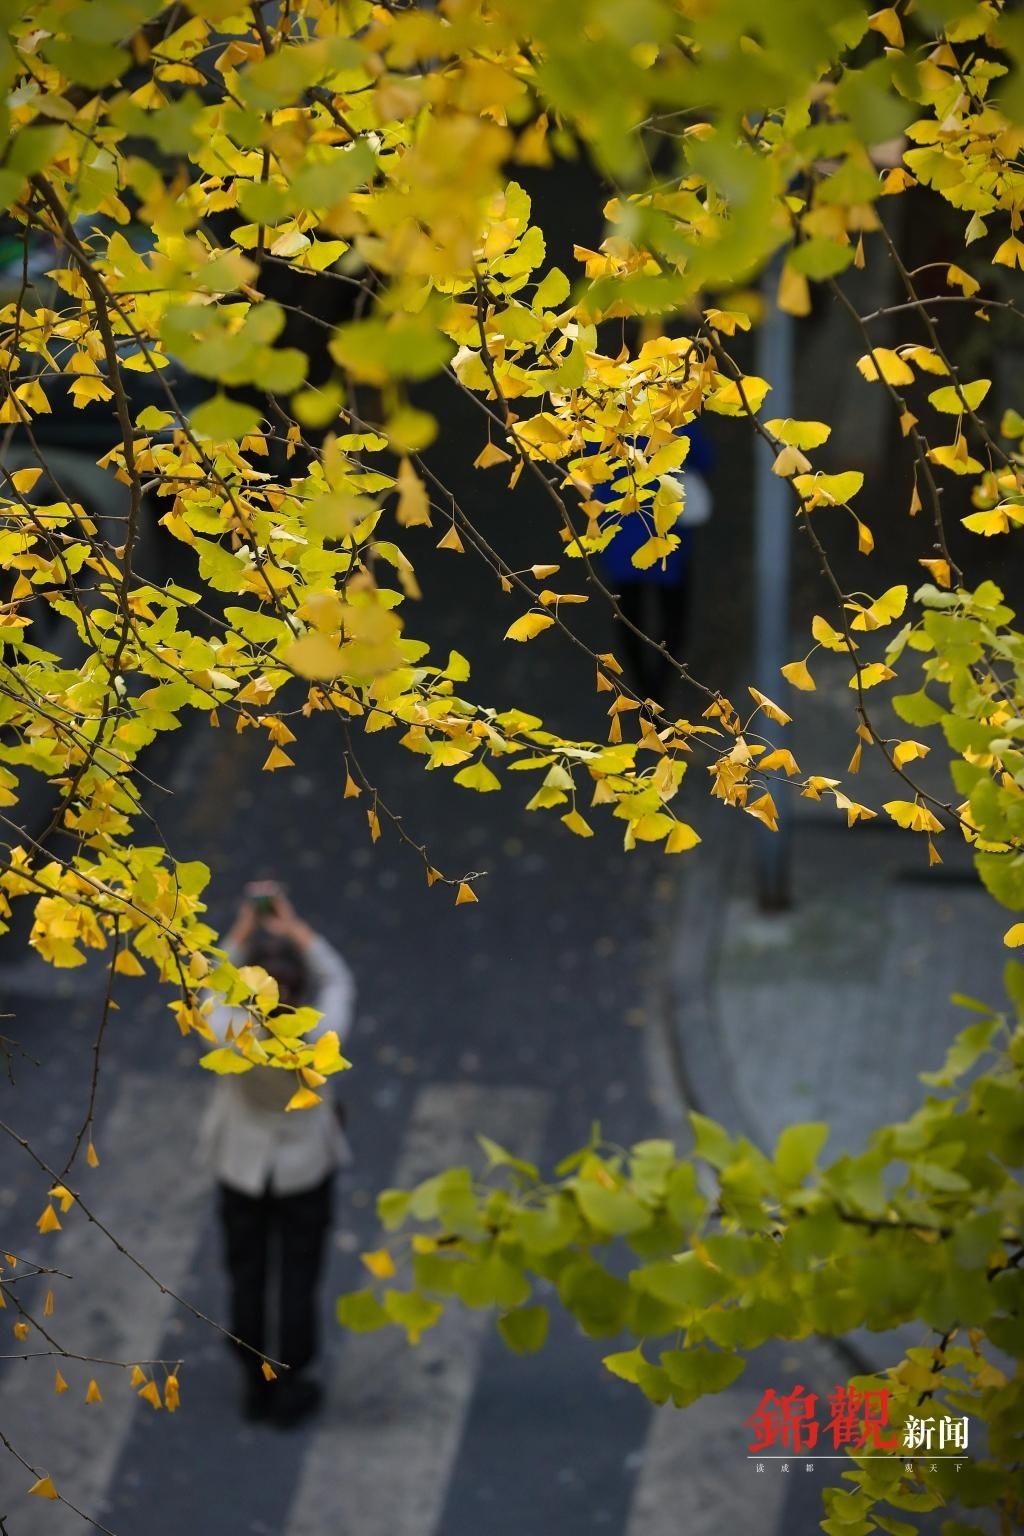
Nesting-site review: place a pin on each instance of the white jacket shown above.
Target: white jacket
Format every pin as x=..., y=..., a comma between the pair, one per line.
x=247, y=1138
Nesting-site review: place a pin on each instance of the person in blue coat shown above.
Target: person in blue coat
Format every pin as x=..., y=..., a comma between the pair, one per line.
x=655, y=600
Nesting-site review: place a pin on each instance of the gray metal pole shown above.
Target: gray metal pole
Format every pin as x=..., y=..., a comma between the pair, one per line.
x=773, y=524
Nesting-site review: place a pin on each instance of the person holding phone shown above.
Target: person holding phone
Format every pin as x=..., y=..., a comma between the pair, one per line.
x=275, y=1169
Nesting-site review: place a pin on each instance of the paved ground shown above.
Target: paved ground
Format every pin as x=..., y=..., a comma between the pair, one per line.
x=527, y=1015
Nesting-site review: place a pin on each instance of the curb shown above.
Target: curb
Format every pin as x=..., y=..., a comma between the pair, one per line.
x=688, y=1019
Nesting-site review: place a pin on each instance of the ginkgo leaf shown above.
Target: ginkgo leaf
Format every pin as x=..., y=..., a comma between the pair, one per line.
x=797, y=673
x=529, y=626
x=380, y=1263
x=681, y=838
x=48, y=1221
x=479, y=777
x=829, y=490
x=44, y=1488
x=771, y=709
x=907, y=751
x=798, y=434
x=137, y=1377
x=912, y=816
x=790, y=461
x=490, y=455
x=882, y=611
x=939, y=570
x=269, y=1374
x=315, y=656
x=780, y=758
x=59, y=1384
x=1010, y=253
x=303, y=1098
x=954, y=399
x=413, y=509
x=275, y=759
x=954, y=457
x=883, y=362
x=956, y=277
x=764, y=809
x=452, y=541
x=465, y=894
x=1014, y=935
x=150, y=1394
x=870, y=676
x=24, y=480
x=887, y=22
x=172, y=1393
x=576, y=823
x=93, y=1393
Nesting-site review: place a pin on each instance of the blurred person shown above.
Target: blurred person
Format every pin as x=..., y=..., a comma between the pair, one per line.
x=275, y=1168
x=656, y=600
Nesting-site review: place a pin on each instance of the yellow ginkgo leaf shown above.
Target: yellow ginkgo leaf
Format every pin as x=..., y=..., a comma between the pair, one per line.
x=1009, y=254
x=269, y=1374
x=379, y=1262
x=63, y=1196
x=578, y=824
x=939, y=571
x=781, y=758
x=888, y=23
x=1014, y=935
x=870, y=676
x=48, y=1221
x=276, y=758
x=172, y=1393
x=681, y=838
x=413, y=508
x=883, y=362
x=907, y=751
x=911, y=816
x=43, y=1488
x=771, y=709
x=24, y=480
x=452, y=541
x=315, y=656
x=798, y=434
x=956, y=277
x=20, y=1330
x=137, y=1377
x=882, y=611
x=151, y=1394
x=529, y=626
x=59, y=1384
x=796, y=672
x=92, y=1392
x=465, y=894
x=765, y=810
x=790, y=461
x=794, y=294
x=303, y=1098
x=491, y=455
x=955, y=458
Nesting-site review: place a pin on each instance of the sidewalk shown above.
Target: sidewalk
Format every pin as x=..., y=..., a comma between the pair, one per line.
x=830, y=1010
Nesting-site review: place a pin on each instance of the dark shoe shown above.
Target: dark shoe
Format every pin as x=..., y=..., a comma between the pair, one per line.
x=295, y=1399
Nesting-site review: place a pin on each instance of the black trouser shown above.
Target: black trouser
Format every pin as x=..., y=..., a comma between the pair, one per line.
x=274, y=1248
x=660, y=610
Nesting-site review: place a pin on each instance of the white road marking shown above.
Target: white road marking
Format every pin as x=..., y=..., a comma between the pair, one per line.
x=381, y=1461
x=695, y=1479
x=108, y=1309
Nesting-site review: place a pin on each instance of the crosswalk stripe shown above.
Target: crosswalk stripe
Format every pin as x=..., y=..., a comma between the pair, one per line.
x=695, y=1476
x=108, y=1309
x=380, y=1463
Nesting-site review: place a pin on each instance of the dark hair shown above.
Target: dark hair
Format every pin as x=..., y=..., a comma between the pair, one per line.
x=281, y=958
